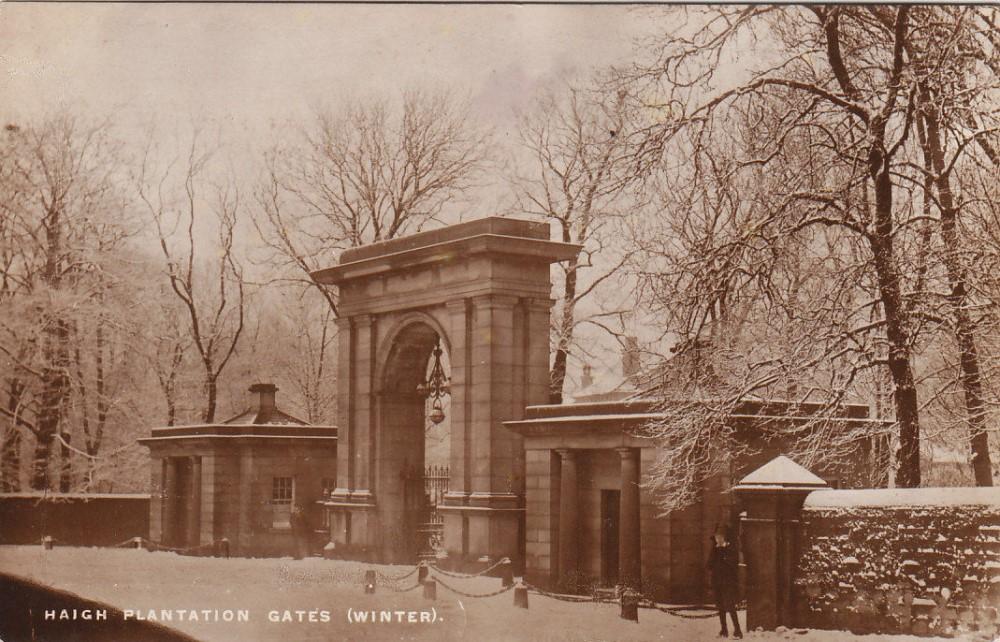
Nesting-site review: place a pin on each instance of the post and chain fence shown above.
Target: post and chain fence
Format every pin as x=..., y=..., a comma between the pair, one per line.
x=456, y=591
x=392, y=582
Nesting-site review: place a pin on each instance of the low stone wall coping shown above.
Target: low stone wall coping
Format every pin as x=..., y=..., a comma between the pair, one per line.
x=903, y=498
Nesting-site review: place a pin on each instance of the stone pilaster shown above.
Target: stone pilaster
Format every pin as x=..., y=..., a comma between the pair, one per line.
x=569, y=534
x=542, y=520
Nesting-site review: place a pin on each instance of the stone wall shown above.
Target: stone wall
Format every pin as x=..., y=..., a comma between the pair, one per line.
x=922, y=561
x=73, y=519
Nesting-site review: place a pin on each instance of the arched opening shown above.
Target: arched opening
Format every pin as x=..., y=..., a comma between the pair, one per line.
x=413, y=450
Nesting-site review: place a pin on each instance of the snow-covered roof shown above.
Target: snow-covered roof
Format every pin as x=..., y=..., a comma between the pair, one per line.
x=904, y=497
x=782, y=471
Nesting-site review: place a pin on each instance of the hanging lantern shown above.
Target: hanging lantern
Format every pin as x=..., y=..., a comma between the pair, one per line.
x=436, y=386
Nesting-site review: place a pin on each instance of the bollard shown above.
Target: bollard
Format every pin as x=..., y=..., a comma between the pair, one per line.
x=506, y=573
x=521, y=595
x=430, y=590
x=224, y=547
x=329, y=551
x=137, y=543
x=369, y=582
x=47, y=543
x=630, y=605
x=422, y=571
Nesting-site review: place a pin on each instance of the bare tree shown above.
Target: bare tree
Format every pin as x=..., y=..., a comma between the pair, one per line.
x=363, y=174
x=577, y=178
x=841, y=87
x=62, y=216
x=953, y=87
x=211, y=291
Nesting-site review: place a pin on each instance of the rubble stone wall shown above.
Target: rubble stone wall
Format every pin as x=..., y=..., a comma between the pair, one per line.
x=921, y=569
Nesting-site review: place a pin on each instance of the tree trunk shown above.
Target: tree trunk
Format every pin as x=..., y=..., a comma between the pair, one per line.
x=10, y=454
x=212, y=390
x=65, y=465
x=48, y=426
x=972, y=385
x=558, y=379
x=904, y=391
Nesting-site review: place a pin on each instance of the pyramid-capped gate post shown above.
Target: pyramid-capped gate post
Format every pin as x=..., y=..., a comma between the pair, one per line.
x=773, y=496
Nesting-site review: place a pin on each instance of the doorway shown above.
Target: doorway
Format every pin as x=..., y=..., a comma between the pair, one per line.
x=610, y=506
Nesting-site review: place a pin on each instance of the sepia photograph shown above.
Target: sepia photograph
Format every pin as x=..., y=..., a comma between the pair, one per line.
x=499, y=322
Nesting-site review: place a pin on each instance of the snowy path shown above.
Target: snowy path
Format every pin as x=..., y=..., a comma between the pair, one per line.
x=139, y=581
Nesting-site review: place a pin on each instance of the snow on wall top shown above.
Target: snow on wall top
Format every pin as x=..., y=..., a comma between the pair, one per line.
x=904, y=497
x=781, y=471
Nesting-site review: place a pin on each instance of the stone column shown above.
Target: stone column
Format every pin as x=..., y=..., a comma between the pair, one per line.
x=568, y=529
x=629, y=562
x=170, y=500
x=208, y=477
x=193, y=535
x=157, y=465
x=773, y=496
x=245, y=525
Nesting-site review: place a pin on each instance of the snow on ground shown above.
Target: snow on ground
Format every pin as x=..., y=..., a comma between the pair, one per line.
x=140, y=580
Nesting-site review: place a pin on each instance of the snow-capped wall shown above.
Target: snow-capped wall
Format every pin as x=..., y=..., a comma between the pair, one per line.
x=918, y=562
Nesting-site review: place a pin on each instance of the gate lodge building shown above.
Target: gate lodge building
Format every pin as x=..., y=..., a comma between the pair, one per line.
x=556, y=488
x=238, y=479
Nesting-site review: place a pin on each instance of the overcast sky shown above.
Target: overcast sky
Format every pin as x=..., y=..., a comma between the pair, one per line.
x=251, y=65
x=261, y=63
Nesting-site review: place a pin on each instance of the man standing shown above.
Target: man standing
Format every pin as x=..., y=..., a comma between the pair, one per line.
x=724, y=565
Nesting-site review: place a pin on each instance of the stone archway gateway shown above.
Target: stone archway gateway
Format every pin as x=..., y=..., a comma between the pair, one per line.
x=483, y=289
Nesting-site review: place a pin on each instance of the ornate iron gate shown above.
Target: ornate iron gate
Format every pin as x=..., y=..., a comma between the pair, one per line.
x=423, y=493
x=435, y=486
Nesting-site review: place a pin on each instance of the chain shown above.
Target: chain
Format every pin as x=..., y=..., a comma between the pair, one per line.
x=164, y=547
x=677, y=611
x=402, y=590
x=557, y=596
x=464, y=594
x=468, y=575
x=389, y=578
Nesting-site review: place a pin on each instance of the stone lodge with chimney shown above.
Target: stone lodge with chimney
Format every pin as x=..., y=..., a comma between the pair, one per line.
x=238, y=479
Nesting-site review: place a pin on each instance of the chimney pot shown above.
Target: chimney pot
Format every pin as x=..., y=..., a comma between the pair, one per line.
x=265, y=403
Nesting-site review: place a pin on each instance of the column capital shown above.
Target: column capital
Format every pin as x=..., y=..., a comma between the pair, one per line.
x=494, y=301
x=455, y=304
x=566, y=453
x=628, y=453
x=542, y=305
x=362, y=320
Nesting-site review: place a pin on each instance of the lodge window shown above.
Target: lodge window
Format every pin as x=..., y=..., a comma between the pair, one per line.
x=282, y=495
